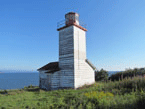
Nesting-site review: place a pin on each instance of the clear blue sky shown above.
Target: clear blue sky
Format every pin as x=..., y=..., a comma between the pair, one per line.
x=115, y=36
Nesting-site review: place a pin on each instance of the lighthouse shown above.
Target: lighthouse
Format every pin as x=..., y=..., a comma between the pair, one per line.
x=73, y=69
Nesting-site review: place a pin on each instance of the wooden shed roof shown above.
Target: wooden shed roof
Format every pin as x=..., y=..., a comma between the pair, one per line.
x=50, y=67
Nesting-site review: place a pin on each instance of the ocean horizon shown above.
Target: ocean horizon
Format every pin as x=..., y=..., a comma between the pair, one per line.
x=10, y=79
x=14, y=79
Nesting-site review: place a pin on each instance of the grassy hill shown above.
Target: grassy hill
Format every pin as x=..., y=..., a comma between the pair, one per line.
x=126, y=94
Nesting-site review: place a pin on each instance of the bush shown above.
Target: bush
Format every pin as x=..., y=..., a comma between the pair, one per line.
x=25, y=87
x=3, y=91
x=30, y=86
x=101, y=75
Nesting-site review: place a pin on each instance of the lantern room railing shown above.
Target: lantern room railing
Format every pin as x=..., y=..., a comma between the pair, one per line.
x=62, y=24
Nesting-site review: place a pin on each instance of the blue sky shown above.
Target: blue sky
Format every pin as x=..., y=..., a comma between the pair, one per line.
x=29, y=36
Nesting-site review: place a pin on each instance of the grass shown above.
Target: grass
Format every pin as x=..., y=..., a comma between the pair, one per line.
x=125, y=94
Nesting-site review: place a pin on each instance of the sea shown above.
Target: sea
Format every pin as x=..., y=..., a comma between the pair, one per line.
x=18, y=79
x=11, y=79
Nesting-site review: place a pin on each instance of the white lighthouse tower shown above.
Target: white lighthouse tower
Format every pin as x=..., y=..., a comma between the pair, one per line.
x=73, y=70
x=72, y=51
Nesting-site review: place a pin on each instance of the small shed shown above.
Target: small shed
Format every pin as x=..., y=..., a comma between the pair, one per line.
x=46, y=74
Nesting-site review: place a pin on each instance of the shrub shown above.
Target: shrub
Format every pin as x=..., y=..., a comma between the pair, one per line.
x=30, y=86
x=101, y=75
x=25, y=87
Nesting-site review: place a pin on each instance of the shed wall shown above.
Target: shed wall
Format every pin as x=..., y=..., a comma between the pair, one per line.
x=57, y=80
x=45, y=80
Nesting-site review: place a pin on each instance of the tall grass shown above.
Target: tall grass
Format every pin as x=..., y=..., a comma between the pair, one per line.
x=124, y=94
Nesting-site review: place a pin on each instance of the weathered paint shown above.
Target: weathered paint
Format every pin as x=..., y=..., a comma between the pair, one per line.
x=84, y=74
x=75, y=71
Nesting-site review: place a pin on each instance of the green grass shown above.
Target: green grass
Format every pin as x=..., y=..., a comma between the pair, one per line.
x=126, y=94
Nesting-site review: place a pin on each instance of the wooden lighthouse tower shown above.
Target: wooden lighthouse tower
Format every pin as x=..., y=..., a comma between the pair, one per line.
x=72, y=51
x=73, y=70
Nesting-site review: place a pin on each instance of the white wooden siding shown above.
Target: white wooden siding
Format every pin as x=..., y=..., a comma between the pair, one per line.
x=83, y=74
x=74, y=72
